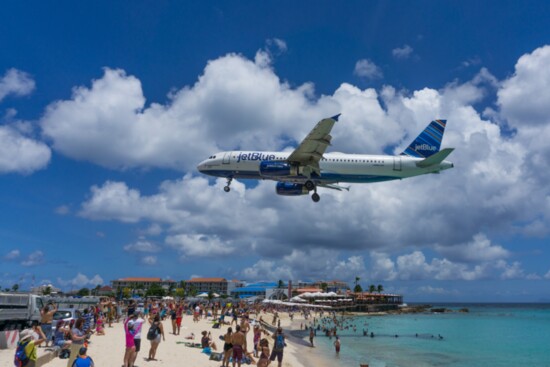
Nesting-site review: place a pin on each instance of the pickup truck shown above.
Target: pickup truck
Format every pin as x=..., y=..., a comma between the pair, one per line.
x=19, y=310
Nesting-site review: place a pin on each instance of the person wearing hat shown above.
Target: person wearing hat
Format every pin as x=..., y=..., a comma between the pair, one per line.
x=83, y=360
x=26, y=342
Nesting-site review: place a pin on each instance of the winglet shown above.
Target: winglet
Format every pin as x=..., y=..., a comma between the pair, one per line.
x=336, y=117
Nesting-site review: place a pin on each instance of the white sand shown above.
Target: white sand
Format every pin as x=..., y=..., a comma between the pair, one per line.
x=108, y=350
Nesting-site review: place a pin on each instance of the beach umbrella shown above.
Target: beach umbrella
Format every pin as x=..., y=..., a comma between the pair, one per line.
x=203, y=295
x=216, y=295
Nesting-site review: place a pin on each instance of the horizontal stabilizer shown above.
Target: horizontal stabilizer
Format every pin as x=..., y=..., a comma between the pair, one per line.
x=437, y=158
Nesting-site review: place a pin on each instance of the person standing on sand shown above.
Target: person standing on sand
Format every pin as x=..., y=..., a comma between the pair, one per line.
x=78, y=337
x=179, y=316
x=311, y=336
x=337, y=345
x=238, y=341
x=227, y=347
x=137, y=324
x=245, y=328
x=278, y=347
x=129, y=354
x=46, y=319
x=155, y=325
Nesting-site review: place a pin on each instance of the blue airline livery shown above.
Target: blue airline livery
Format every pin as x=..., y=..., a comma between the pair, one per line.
x=308, y=167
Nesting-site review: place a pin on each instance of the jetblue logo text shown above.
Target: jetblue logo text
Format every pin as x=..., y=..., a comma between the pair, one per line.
x=256, y=156
x=418, y=147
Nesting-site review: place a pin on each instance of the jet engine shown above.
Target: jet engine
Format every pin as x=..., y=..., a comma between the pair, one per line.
x=291, y=189
x=278, y=169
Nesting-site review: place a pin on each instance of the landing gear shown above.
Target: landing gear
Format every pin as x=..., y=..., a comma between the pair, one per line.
x=226, y=188
x=315, y=197
x=309, y=185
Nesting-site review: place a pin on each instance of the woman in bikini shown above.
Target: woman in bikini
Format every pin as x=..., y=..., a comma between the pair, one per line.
x=227, y=348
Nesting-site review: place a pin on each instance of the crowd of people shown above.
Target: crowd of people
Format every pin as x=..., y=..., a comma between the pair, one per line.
x=240, y=319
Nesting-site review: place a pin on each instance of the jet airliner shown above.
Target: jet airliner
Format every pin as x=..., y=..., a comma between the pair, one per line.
x=309, y=167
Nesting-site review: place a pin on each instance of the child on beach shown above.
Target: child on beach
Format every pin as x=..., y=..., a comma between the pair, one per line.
x=264, y=353
x=100, y=329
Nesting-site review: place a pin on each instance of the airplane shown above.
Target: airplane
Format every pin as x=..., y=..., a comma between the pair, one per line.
x=309, y=167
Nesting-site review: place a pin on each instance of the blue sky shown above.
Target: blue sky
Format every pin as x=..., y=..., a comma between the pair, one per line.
x=106, y=108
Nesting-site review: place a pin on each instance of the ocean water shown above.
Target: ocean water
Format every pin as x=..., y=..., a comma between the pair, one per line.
x=490, y=335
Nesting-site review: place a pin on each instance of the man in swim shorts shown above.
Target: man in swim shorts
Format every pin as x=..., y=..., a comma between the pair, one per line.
x=238, y=342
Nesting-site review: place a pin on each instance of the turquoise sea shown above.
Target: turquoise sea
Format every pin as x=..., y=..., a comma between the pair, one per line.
x=490, y=335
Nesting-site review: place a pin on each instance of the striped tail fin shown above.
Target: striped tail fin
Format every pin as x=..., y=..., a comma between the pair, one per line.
x=428, y=142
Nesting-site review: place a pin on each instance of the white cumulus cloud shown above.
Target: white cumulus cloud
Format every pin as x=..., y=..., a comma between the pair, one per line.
x=81, y=280
x=12, y=255
x=21, y=154
x=402, y=52
x=142, y=245
x=16, y=82
x=367, y=69
x=34, y=258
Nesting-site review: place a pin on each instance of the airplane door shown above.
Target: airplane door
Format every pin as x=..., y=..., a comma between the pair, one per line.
x=397, y=163
x=226, y=158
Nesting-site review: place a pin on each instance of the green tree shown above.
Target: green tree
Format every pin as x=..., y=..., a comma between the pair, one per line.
x=171, y=288
x=358, y=288
x=180, y=292
x=380, y=288
x=324, y=286
x=210, y=295
x=372, y=288
x=193, y=291
x=357, y=280
x=15, y=287
x=280, y=284
x=47, y=291
x=126, y=292
x=83, y=292
x=139, y=288
x=155, y=290
x=96, y=290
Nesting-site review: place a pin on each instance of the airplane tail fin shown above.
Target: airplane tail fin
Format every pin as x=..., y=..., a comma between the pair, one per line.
x=428, y=142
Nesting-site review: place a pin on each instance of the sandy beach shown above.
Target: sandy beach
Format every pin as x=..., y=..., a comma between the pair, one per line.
x=108, y=350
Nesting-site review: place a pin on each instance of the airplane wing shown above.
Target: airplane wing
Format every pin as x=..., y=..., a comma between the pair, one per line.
x=311, y=149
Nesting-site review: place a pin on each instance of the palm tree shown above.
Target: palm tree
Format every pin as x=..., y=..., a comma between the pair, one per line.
x=280, y=284
x=324, y=286
x=15, y=287
x=357, y=280
x=372, y=288
x=380, y=288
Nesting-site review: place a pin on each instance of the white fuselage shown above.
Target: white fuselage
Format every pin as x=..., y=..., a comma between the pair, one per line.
x=335, y=167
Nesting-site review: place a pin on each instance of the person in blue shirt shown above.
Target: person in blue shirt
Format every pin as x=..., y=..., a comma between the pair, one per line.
x=83, y=360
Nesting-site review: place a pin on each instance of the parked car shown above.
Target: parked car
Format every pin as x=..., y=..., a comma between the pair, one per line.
x=69, y=315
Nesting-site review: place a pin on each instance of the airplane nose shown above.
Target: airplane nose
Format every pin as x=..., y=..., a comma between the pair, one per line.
x=200, y=167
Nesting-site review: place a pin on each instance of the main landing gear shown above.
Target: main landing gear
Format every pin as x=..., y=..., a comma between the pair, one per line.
x=310, y=186
x=226, y=188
